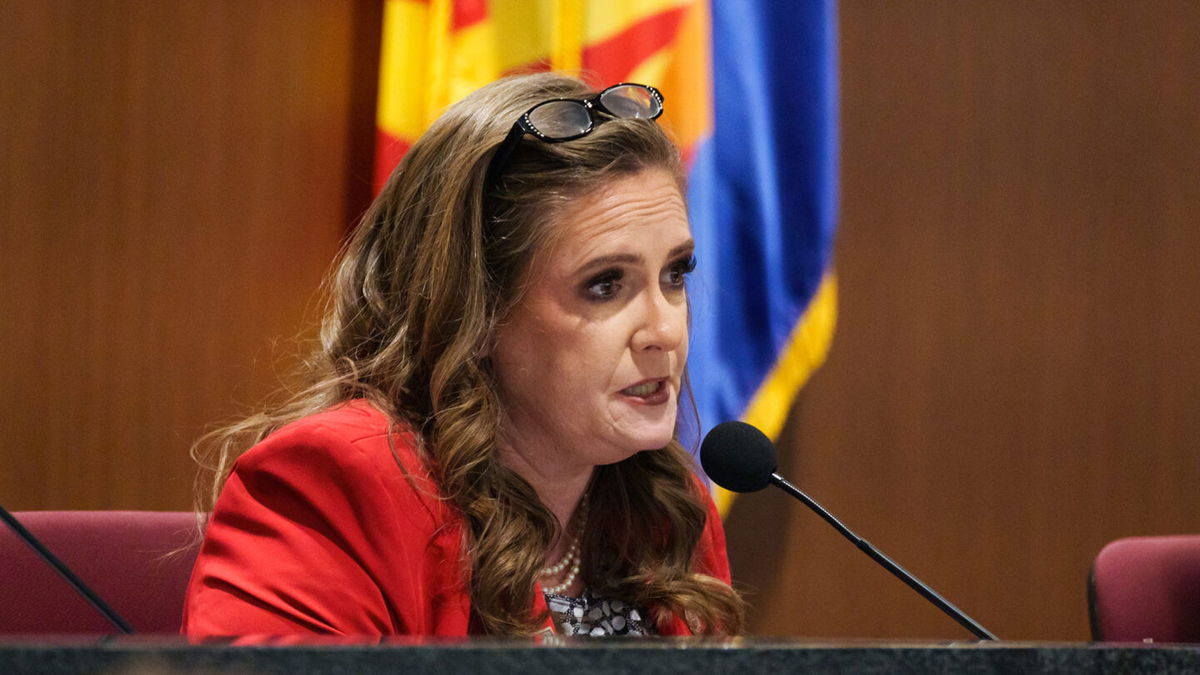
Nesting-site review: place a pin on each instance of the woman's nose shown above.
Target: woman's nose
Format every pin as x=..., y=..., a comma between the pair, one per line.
x=663, y=324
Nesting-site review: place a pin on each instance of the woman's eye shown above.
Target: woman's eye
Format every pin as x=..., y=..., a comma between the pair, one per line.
x=677, y=273
x=604, y=286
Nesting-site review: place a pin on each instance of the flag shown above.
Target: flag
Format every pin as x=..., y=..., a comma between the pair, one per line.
x=435, y=52
x=751, y=96
x=763, y=203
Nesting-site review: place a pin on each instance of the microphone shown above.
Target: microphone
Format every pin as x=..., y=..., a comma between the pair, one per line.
x=740, y=458
x=65, y=572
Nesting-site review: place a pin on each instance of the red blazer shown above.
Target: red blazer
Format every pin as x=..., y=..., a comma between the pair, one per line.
x=318, y=530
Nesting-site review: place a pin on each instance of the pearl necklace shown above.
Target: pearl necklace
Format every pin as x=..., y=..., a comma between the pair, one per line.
x=570, y=559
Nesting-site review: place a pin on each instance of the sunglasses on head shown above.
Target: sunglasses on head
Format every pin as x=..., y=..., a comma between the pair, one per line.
x=565, y=119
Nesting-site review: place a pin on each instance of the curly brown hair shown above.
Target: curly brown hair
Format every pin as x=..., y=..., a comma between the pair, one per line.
x=431, y=271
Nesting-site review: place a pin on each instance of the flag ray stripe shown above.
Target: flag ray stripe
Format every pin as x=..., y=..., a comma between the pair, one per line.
x=612, y=60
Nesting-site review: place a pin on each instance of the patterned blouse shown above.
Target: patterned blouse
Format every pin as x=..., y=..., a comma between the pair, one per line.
x=595, y=617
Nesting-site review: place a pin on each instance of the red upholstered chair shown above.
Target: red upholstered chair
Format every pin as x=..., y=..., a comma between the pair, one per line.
x=124, y=556
x=1146, y=588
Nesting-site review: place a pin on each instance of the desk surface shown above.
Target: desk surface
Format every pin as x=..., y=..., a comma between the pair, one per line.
x=741, y=656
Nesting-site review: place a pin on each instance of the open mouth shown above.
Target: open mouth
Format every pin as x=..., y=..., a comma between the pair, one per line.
x=649, y=389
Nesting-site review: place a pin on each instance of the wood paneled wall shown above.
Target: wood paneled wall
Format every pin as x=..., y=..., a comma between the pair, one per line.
x=1015, y=379
x=175, y=179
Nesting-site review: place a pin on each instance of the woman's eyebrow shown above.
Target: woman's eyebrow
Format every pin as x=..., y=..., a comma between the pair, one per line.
x=609, y=260
x=686, y=247
x=630, y=258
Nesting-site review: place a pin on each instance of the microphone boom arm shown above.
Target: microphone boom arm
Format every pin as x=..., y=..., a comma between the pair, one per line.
x=891, y=566
x=65, y=572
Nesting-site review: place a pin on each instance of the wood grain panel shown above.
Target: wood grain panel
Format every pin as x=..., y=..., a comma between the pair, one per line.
x=1015, y=378
x=176, y=178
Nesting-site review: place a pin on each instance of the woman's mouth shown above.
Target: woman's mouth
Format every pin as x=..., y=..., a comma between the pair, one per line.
x=652, y=392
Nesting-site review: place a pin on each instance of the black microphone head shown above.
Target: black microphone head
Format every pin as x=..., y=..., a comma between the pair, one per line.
x=738, y=457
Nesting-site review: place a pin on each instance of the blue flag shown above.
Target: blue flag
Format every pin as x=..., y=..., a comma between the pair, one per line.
x=763, y=196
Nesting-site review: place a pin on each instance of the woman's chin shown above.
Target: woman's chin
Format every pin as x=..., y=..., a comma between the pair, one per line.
x=632, y=444
x=656, y=439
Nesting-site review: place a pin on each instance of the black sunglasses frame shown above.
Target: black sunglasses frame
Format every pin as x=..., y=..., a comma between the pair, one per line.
x=523, y=125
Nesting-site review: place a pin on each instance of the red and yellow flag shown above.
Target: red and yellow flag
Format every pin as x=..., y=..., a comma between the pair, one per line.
x=437, y=51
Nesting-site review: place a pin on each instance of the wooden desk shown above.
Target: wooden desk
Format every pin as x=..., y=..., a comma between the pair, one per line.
x=741, y=657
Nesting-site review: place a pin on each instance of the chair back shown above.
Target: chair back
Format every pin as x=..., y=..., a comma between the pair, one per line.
x=1146, y=588
x=123, y=556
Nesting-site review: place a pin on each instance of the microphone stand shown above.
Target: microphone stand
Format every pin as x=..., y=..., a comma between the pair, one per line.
x=891, y=566
x=64, y=572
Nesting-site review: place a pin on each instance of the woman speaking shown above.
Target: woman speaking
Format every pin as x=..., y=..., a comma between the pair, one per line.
x=488, y=445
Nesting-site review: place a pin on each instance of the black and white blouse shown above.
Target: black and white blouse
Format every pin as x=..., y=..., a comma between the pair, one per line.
x=595, y=617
